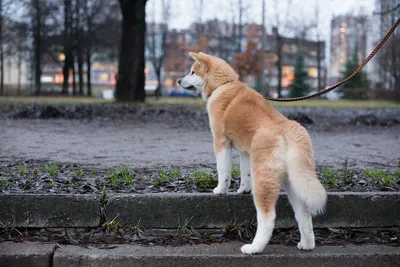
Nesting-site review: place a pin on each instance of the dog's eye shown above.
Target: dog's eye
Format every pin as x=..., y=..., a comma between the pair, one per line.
x=192, y=72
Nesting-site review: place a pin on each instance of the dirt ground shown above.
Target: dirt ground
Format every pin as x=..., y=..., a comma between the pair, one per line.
x=155, y=143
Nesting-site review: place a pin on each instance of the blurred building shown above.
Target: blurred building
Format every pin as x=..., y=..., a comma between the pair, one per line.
x=223, y=40
x=348, y=36
x=383, y=66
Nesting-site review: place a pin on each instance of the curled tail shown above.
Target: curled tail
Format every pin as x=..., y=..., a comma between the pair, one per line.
x=302, y=176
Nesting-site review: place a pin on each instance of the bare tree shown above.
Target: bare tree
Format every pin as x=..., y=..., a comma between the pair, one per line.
x=389, y=55
x=79, y=42
x=37, y=21
x=97, y=14
x=131, y=78
x=157, y=40
x=319, y=47
x=260, y=81
x=199, y=18
x=240, y=26
x=67, y=44
x=279, y=41
x=17, y=47
x=4, y=8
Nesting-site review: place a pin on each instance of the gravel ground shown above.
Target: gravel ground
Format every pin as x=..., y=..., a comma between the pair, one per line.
x=39, y=177
x=113, y=135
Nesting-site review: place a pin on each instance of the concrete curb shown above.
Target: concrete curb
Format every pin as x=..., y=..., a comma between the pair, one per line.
x=26, y=254
x=377, y=209
x=211, y=211
x=225, y=254
x=28, y=210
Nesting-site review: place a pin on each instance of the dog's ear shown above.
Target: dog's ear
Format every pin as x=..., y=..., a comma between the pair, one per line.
x=199, y=57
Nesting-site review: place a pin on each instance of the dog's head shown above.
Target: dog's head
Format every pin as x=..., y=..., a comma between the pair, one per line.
x=207, y=74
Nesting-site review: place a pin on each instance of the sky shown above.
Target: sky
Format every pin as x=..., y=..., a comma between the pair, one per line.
x=184, y=12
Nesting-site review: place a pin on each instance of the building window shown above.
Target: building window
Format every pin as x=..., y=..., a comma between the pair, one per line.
x=312, y=72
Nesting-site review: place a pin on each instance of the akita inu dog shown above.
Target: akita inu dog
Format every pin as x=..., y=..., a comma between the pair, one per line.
x=275, y=151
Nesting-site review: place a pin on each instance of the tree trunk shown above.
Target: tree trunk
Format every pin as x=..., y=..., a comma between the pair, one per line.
x=80, y=70
x=67, y=11
x=19, y=66
x=73, y=75
x=37, y=22
x=397, y=89
x=88, y=50
x=319, y=72
x=158, y=90
x=88, y=72
x=131, y=78
x=279, y=61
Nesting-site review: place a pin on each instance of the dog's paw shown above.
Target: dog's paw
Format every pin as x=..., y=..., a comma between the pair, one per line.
x=306, y=245
x=244, y=190
x=220, y=190
x=251, y=249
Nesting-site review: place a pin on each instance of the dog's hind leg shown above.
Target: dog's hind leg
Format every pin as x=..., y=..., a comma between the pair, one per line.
x=303, y=218
x=267, y=166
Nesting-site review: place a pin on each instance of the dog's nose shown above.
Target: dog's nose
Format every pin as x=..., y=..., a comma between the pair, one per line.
x=179, y=81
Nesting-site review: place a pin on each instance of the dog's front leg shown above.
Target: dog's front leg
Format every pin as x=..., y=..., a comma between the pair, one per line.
x=245, y=175
x=224, y=166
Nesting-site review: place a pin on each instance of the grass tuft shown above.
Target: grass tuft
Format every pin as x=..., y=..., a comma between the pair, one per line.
x=120, y=176
x=382, y=177
x=204, y=180
x=184, y=227
x=51, y=169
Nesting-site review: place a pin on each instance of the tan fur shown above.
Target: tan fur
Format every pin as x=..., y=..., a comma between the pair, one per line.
x=240, y=116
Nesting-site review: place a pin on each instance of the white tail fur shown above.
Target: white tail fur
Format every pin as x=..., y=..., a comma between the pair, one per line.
x=301, y=173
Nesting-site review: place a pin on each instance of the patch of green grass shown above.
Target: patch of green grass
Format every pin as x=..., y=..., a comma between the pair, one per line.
x=184, y=227
x=332, y=178
x=94, y=172
x=120, y=176
x=4, y=182
x=235, y=172
x=204, y=180
x=51, y=169
x=112, y=225
x=174, y=173
x=161, y=179
x=22, y=170
x=382, y=177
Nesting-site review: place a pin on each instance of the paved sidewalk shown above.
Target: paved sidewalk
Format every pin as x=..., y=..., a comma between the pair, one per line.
x=157, y=144
x=224, y=254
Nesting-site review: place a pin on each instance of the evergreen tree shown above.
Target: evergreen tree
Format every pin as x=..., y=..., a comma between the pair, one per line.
x=355, y=87
x=299, y=86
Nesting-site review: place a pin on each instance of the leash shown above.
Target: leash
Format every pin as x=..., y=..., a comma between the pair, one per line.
x=381, y=43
